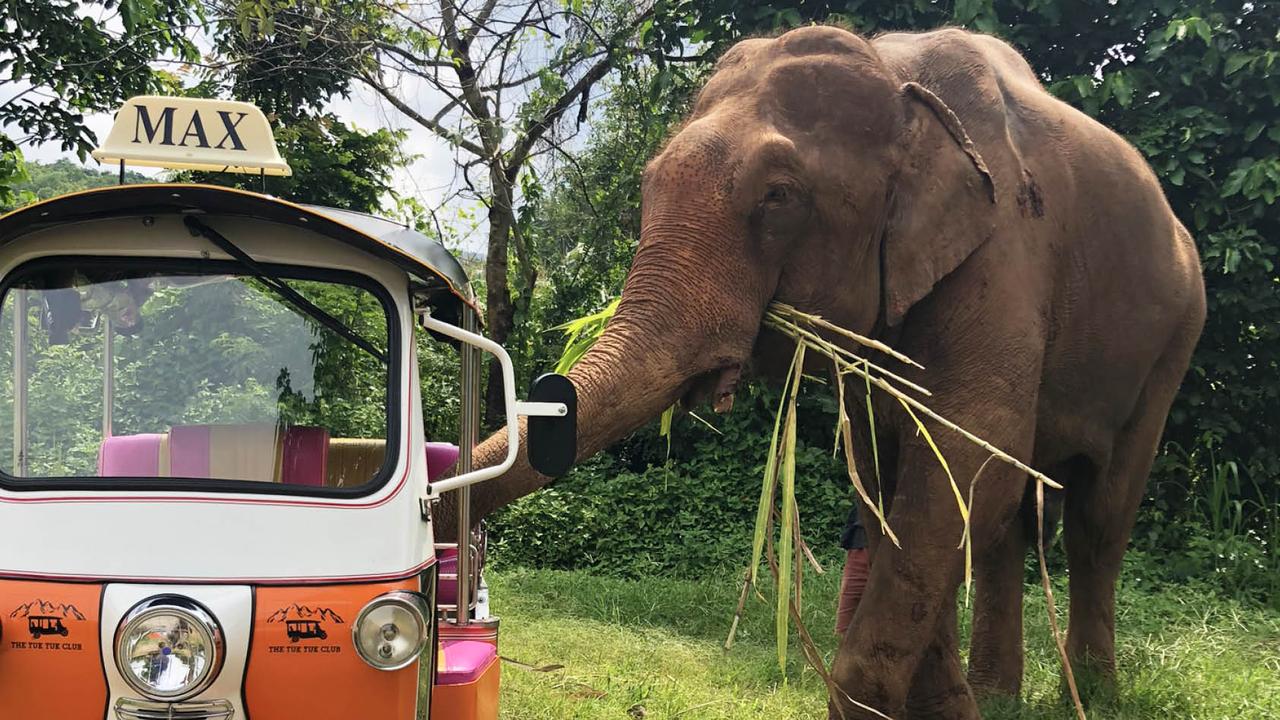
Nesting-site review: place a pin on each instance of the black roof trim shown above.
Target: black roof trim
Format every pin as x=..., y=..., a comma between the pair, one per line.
x=443, y=279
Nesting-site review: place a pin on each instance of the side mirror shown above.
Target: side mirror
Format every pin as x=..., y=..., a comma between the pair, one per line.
x=553, y=439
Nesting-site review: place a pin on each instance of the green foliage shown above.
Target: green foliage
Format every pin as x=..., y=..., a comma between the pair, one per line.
x=67, y=59
x=13, y=174
x=583, y=219
x=41, y=181
x=582, y=334
x=334, y=164
x=60, y=63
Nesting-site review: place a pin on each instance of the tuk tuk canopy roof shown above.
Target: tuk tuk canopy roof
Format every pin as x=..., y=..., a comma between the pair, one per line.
x=436, y=272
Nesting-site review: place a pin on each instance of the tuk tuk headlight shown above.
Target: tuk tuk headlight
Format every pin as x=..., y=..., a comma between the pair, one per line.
x=169, y=648
x=392, y=630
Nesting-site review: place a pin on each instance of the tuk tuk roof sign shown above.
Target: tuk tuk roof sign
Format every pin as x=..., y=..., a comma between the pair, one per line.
x=193, y=134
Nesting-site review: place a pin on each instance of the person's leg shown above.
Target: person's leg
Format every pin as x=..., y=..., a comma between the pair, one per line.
x=852, y=585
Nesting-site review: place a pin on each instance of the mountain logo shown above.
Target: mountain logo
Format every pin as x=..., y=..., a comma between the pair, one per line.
x=302, y=622
x=46, y=618
x=305, y=612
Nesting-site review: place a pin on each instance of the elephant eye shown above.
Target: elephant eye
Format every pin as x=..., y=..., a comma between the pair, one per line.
x=777, y=195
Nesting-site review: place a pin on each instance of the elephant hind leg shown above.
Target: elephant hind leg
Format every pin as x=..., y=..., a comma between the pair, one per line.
x=1098, y=518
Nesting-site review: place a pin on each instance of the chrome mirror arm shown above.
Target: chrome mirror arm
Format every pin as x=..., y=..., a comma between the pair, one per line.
x=514, y=408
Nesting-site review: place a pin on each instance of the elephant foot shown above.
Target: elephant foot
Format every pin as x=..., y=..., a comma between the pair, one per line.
x=847, y=710
x=1095, y=680
x=859, y=696
x=992, y=684
x=954, y=702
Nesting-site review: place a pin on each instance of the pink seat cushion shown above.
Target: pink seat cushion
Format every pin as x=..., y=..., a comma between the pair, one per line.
x=440, y=457
x=130, y=456
x=305, y=457
x=464, y=661
x=447, y=592
x=189, y=450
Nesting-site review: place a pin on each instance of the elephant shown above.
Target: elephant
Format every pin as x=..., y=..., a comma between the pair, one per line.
x=923, y=189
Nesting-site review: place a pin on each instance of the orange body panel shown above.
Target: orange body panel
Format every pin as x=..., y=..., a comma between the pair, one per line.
x=302, y=663
x=477, y=700
x=50, y=654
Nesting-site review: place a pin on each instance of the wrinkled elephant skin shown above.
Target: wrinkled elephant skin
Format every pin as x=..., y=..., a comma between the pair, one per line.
x=926, y=190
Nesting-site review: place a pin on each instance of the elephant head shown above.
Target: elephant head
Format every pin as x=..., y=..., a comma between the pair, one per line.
x=807, y=172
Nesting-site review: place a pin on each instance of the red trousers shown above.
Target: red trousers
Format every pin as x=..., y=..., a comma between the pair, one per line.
x=852, y=584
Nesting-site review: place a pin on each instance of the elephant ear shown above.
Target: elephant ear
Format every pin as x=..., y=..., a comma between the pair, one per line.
x=943, y=205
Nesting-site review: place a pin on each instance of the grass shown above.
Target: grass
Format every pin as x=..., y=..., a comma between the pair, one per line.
x=653, y=649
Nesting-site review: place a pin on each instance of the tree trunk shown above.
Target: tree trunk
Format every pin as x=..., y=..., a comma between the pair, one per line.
x=499, y=309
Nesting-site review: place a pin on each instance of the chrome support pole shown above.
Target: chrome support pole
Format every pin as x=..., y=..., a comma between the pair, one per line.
x=108, y=376
x=468, y=436
x=19, y=382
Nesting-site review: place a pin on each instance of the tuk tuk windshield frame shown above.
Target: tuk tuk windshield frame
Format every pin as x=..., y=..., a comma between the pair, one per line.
x=121, y=271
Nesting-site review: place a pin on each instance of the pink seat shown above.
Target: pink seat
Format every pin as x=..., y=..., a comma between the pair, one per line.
x=130, y=455
x=440, y=457
x=305, y=458
x=447, y=591
x=189, y=451
x=464, y=661
x=256, y=452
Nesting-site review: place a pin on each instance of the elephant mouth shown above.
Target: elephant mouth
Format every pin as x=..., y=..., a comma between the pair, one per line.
x=715, y=386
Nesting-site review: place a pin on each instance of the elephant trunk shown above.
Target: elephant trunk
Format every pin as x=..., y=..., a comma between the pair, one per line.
x=685, y=326
x=620, y=385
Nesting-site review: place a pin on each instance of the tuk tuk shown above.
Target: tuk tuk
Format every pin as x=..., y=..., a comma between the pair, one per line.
x=39, y=625
x=219, y=481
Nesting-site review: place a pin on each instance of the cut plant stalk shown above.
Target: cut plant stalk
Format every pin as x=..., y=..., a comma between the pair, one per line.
x=784, y=310
x=846, y=435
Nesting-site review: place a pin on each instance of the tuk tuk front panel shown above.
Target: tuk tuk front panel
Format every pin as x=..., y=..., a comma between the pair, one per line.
x=50, y=660
x=303, y=664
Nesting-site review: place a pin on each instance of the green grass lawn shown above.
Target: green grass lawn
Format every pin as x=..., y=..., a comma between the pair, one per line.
x=653, y=649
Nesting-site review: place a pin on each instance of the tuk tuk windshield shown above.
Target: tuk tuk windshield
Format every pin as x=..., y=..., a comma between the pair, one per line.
x=124, y=372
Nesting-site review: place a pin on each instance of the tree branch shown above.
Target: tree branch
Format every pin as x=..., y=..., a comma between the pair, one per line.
x=426, y=122
x=534, y=132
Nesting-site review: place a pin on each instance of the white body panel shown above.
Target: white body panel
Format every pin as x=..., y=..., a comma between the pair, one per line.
x=225, y=536
x=232, y=607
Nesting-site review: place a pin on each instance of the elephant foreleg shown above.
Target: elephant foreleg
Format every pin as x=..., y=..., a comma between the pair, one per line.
x=938, y=690
x=909, y=591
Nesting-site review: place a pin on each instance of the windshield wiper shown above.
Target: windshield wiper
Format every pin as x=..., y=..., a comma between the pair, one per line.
x=282, y=288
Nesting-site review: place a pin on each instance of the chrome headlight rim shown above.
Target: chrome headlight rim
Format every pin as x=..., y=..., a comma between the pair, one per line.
x=417, y=606
x=192, y=612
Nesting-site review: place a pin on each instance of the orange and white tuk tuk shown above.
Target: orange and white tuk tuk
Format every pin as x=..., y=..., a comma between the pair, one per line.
x=218, y=503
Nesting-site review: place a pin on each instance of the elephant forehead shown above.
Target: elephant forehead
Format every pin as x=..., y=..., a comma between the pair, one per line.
x=823, y=40
x=829, y=90
x=699, y=147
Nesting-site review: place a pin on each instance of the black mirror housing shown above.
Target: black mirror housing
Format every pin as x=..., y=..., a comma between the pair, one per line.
x=553, y=439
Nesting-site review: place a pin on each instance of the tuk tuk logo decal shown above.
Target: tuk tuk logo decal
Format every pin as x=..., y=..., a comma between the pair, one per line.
x=47, y=624
x=302, y=622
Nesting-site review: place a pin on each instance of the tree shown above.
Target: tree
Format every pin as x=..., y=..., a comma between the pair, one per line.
x=45, y=180
x=1196, y=87
x=499, y=79
x=67, y=59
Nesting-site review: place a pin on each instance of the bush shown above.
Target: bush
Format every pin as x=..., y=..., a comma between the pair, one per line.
x=634, y=511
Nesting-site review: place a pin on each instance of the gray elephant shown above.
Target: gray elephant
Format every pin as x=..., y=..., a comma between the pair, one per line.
x=923, y=189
